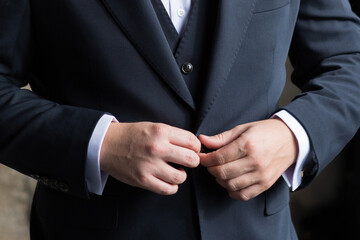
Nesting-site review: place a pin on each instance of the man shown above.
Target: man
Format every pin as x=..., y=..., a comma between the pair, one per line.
x=126, y=92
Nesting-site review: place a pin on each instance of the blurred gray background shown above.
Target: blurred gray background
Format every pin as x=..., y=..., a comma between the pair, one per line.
x=327, y=209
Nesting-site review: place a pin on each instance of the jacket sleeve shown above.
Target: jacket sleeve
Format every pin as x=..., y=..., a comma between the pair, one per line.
x=325, y=53
x=38, y=137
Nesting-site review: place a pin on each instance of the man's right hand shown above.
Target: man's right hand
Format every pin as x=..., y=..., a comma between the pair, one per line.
x=139, y=154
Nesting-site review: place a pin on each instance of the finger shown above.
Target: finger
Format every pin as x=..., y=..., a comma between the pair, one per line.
x=170, y=174
x=158, y=186
x=185, y=139
x=222, y=139
x=226, y=154
x=247, y=193
x=239, y=183
x=232, y=169
x=219, y=140
x=182, y=156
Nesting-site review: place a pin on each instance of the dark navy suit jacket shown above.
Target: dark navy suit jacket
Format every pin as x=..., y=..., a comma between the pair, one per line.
x=85, y=58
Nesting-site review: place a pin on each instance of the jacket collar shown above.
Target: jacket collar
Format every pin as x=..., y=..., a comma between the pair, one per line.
x=232, y=21
x=138, y=20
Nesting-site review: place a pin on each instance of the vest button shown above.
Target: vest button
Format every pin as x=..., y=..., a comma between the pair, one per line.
x=187, y=68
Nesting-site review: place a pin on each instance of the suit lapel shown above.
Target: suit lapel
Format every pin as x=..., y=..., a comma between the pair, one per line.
x=232, y=21
x=139, y=22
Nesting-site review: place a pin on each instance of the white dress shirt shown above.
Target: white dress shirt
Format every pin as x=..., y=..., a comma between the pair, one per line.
x=178, y=11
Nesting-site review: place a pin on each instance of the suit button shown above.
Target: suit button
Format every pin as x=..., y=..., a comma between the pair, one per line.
x=187, y=68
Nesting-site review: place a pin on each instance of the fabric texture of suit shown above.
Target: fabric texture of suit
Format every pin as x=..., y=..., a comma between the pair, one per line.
x=86, y=58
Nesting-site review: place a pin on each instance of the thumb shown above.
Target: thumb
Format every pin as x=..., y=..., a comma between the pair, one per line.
x=219, y=140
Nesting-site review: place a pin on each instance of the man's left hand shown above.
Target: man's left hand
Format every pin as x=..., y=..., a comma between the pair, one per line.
x=250, y=157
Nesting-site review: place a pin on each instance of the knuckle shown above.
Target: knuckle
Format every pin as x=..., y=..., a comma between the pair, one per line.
x=159, y=129
x=220, y=137
x=221, y=173
x=250, y=146
x=257, y=162
x=235, y=195
x=244, y=197
x=231, y=185
x=189, y=158
x=241, y=146
x=179, y=177
x=192, y=159
x=239, y=195
x=154, y=149
x=253, y=181
x=220, y=158
x=167, y=190
x=192, y=141
x=141, y=178
x=176, y=178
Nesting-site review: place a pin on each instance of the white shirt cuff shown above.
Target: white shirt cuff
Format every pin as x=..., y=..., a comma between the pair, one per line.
x=95, y=178
x=293, y=175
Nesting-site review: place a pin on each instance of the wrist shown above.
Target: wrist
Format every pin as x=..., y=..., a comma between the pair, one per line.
x=109, y=143
x=291, y=141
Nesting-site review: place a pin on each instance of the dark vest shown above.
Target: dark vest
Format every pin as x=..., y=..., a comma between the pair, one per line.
x=193, y=46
